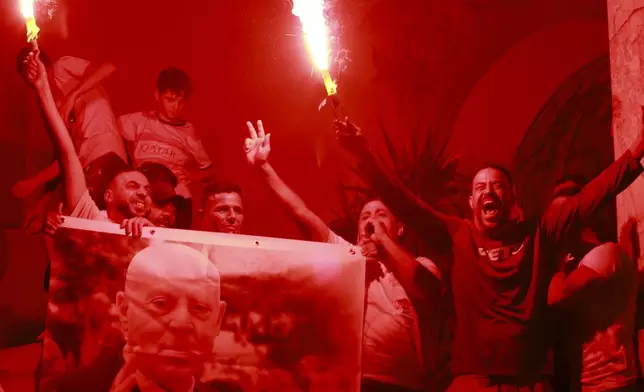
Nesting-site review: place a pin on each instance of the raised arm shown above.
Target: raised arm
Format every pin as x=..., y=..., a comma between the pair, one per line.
x=596, y=268
x=26, y=187
x=418, y=277
x=71, y=168
x=258, y=148
x=433, y=226
x=603, y=188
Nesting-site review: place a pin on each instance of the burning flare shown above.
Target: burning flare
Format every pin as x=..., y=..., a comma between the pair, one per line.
x=27, y=10
x=316, y=36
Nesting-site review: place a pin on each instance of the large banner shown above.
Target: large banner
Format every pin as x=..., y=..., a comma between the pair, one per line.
x=177, y=309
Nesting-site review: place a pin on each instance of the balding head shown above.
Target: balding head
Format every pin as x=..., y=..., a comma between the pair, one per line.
x=171, y=263
x=170, y=310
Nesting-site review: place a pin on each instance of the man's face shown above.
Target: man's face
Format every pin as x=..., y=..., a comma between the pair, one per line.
x=169, y=105
x=224, y=213
x=492, y=198
x=164, y=215
x=171, y=320
x=129, y=193
x=376, y=213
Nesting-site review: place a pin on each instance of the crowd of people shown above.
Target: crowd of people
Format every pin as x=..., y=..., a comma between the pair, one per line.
x=517, y=284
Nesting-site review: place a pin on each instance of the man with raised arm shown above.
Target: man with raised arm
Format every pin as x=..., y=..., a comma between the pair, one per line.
x=595, y=289
x=87, y=113
x=501, y=266
x=398, y=286
x=127, y=197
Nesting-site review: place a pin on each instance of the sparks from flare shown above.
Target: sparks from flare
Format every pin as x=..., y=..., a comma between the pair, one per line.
x=316, y=37
x=27, y=10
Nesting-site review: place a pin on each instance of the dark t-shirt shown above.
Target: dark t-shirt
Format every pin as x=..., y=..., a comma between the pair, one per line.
x=500, y=287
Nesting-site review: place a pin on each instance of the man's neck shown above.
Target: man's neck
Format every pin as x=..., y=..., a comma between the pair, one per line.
x=115, y=215
x=498, y=233
x=175, y=122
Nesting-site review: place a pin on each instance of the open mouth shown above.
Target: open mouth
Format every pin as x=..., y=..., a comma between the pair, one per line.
x=490, y=208
x=179, y=355
x=139, y=205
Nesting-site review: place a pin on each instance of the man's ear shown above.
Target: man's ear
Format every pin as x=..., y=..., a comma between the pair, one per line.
x=121, y=307
x=471, y=201
x=222, y=312
x=400, y=230
x=108, y=196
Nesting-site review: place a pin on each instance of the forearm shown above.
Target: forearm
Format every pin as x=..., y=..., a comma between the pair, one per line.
x=432, y=225
x=405, y=268
x=93, y=76
x=69, y=163
x=295, y=205
x=565, y=290
x=608, y=184
x=49, y=173
x=556, y=289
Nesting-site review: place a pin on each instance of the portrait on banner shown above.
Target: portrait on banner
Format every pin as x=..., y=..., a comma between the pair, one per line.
x=218, y=314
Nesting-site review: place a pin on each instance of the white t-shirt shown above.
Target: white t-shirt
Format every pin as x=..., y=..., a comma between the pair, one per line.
x=391, y=340
x=177, y=147
x=607, y=325
x=86, y=209
x=95, y=131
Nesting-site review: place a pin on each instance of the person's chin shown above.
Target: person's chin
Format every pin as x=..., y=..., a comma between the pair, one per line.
x=490, y=224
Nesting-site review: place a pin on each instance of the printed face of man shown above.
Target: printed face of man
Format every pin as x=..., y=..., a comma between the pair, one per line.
x=171, y=311
x=129, y=193
x=224, y=213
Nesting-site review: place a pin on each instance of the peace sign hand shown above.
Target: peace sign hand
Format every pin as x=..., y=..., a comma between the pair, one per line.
x=258, y=145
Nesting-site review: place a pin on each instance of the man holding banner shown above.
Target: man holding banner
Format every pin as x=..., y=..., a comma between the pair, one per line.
x=127, y=198
x=392, y=355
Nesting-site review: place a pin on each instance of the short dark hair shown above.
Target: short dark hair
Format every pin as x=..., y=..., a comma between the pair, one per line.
x=175, y=80
x=215, y=188
x=117, y=173
x=507, y=173
x=569, y=185
x=366, y=198
x=24, y=52
x=158, y=172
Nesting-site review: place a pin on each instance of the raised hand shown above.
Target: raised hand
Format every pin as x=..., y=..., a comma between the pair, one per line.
x=53, y=221
x=34, y=70
x=349, y=136
x=134, y=226
x=379, y=233
x=258, y=145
